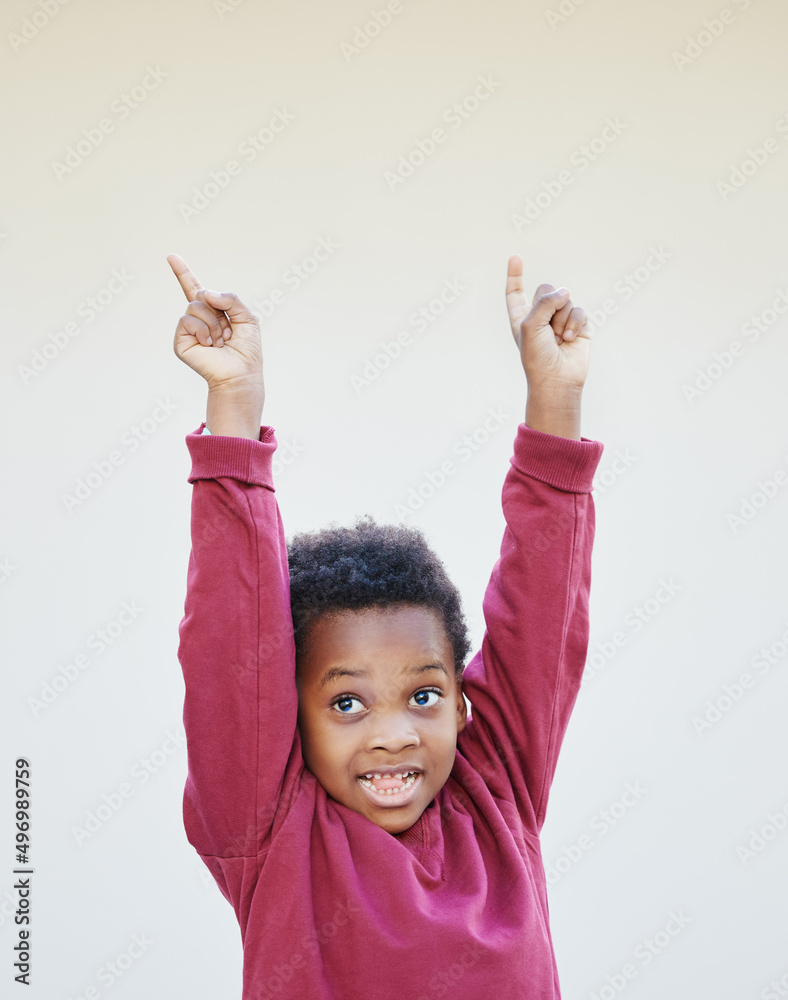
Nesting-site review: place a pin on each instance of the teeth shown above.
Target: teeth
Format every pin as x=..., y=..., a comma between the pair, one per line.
x=394, y=774
x=408, y=778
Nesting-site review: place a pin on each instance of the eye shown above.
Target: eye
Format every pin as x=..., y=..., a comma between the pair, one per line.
x=343, y=704
x=422, y=698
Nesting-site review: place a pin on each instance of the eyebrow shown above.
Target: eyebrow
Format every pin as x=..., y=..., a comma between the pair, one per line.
x=334, y=672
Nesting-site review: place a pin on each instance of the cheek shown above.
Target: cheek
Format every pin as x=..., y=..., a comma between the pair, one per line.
x=312, y=739
x=439, y=737
x=445, y=734
x=447, y=721
x=327, y=748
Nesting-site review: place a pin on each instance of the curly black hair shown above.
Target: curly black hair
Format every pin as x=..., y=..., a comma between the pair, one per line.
x=371, y=565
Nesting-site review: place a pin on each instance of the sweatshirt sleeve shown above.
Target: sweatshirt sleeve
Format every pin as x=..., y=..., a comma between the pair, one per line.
x=523, y=682
x=236, y=647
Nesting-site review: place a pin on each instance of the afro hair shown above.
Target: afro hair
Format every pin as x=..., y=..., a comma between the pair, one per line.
x=371, y=565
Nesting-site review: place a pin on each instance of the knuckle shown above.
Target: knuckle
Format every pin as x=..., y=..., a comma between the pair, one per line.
x=196, y=326
x=204, y=312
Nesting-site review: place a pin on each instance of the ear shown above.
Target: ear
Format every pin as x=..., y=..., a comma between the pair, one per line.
x=462, y=708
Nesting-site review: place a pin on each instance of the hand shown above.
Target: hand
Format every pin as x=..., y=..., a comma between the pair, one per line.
x=551, y=335
x=218, y=336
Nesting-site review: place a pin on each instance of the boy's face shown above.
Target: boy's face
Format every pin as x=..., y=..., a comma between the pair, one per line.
x=377, y=695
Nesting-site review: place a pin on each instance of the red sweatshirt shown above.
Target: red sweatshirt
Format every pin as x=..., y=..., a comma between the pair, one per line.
x=331, y=906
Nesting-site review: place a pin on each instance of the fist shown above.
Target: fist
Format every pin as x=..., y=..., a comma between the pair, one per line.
x=551, y=333
x=217, y=336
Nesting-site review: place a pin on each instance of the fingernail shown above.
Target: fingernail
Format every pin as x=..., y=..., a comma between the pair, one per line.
x=220, y=342
x=210, y=341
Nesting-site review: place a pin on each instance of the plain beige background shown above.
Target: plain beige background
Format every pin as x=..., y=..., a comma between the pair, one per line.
x=652, y=233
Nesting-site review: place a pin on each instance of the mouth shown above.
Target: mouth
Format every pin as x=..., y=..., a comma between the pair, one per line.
x=390, y=790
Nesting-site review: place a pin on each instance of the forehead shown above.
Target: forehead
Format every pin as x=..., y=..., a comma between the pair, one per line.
x=378, y=637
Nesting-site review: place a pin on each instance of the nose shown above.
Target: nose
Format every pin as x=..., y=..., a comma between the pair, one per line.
x=393, y=733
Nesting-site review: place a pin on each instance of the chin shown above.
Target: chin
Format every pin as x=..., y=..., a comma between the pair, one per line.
x=393, y=825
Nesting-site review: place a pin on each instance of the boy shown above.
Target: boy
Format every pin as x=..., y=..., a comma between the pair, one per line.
x=375, y=840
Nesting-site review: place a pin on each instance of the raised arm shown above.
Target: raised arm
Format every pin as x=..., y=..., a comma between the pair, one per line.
x=236, y=645
x=523, y=682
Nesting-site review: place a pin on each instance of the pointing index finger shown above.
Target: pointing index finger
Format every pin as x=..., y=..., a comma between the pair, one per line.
x=186, y=278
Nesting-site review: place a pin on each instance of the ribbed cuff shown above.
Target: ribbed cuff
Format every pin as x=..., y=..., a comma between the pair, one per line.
x=215, y=456
x=561, y=462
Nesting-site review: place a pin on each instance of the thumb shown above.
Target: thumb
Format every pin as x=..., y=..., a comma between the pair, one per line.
x=545, y=307
x=228, y=302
